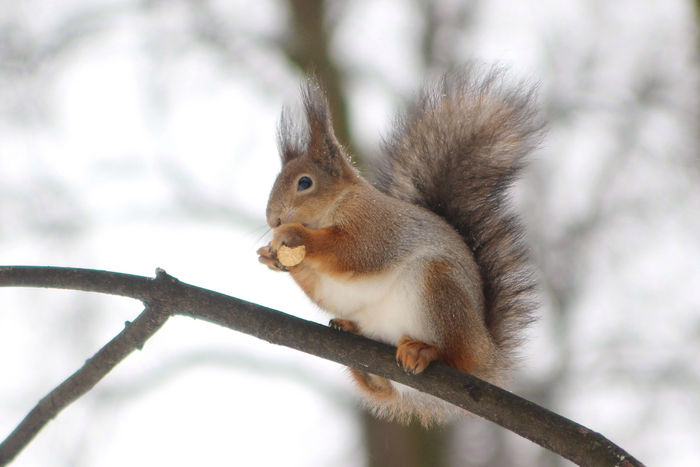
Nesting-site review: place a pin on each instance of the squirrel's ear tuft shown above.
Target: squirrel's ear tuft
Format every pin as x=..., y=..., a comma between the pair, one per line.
x=316, y=107
x=322, y=146
x=292, y=138
x=315, y=139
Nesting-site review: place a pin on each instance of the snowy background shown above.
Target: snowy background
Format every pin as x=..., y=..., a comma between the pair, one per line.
x=141, y=134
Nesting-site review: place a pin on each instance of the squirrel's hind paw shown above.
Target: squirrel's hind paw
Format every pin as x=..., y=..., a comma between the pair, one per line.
x=414, y=355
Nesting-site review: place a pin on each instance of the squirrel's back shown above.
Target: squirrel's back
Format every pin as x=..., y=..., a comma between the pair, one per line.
x=456, y=151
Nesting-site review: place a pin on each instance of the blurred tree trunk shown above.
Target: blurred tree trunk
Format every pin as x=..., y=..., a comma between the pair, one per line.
x=307, y=48
x=388, y=444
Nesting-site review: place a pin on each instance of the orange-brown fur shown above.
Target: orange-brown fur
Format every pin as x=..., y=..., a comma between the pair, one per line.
x=380, y=388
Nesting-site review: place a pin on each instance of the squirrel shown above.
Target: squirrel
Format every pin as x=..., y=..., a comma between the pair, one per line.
x=429, y=257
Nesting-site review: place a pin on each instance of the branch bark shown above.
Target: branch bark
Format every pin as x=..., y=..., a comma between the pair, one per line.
x=165, y=296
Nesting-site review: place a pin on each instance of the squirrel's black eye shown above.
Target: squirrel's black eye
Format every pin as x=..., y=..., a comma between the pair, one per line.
x=304, y=183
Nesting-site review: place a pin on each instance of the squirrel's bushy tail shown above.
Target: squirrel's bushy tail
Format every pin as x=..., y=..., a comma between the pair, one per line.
x=456, y=151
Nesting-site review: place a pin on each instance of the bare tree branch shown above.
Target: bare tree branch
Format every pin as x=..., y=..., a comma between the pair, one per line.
x=133, y=337
x=165, y=296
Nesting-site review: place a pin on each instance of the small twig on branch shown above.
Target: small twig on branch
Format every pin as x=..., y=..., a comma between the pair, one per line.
x=167, y=296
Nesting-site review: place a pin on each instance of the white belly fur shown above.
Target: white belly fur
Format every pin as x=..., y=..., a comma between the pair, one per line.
x=385, y=306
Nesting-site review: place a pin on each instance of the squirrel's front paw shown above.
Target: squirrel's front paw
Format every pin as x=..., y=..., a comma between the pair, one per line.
x=268, y=256
x=291, y=235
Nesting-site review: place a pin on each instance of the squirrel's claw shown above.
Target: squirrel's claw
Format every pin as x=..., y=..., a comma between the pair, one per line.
x=344, y=325
x=268, y=257
x=272, y=264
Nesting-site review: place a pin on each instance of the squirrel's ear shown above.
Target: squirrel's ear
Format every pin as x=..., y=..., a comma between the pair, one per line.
x=322, y=146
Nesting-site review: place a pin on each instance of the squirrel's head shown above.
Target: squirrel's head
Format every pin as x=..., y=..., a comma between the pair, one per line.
x=316, y=172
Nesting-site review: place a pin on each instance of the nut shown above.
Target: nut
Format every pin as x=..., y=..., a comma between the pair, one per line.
x=291, y=256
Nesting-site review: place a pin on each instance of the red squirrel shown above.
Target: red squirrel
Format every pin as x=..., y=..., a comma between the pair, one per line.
x=429, y=258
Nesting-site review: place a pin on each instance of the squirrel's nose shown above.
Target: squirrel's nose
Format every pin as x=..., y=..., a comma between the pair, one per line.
x=272, y=220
